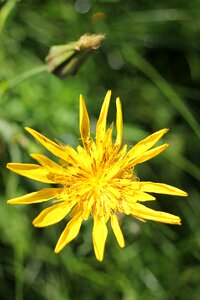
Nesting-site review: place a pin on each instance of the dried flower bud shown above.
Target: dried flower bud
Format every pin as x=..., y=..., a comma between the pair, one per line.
x=65, y=60
x=89, y=41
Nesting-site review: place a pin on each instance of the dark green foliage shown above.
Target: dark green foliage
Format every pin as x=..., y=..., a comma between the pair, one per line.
x=151, y=60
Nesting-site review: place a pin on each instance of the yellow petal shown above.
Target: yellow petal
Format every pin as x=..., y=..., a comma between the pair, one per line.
x=161, y=188
x=69, y=233
x=99, y=235
x=84, y=124
x=141, y=211
x=142, y=197
x=50, y=165
x=31, y=171
x=149, y=154
x=122, y=152
x=36, y=197
x=117, y=230
x=119, y=123
x=105, y=150
x=52, y=215
x=57, y=150
x=146, y=144
x=101, y=123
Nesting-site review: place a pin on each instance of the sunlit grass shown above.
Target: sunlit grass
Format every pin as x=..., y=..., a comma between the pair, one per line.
x=155, y=73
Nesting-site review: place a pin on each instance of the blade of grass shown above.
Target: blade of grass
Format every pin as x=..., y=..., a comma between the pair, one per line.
x=18, y=273
x=134, y=58
x=5, y=11
x=9, y=84
x=184, y=164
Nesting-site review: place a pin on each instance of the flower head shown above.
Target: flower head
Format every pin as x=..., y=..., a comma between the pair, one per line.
x=97, y=179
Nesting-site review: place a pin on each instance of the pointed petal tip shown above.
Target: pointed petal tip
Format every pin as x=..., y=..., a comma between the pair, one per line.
x=82, y=103
x=100, y=259
x=12, y=166
x=28, y=129
x=119, y=103
x=108, y=95
x=122, y=245
x=165, y=146
x=35, y=223
x=58, y=249
x=8, y=166
x=31, y=131
x=99, y=236
x=10, y=201
x=161, y=188
x=183, y=193
x=99, y=256
x=81, y=97
x=176, y=222
x=117, y=231
x=164, y=130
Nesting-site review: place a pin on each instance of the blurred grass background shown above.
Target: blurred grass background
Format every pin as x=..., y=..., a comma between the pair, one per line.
x=151, y=59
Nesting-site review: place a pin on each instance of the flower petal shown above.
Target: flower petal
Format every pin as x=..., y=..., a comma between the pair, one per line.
x=84, y=124
x=117, y=231
x=36, y=197
x=146, y=144
x=59, y=151
x=69, y=233
x=101, y=123
x=149, y=154
x=161, y=188
x=52, y=215
x=119, y=123
x=50, y=165
x=31, y=171
x=99, y=235
x=142, y=197
x=141, y=211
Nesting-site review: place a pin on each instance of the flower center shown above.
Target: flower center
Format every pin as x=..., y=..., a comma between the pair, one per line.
x=97, y=182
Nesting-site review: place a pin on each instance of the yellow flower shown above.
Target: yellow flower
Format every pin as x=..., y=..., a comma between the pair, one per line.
x=97, y=179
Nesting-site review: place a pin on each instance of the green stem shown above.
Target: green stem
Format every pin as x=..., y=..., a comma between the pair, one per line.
x=9, y=84
x=26, y=75
x=144, y=66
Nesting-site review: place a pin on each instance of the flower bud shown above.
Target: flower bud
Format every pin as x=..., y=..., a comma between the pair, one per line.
x=65, y=60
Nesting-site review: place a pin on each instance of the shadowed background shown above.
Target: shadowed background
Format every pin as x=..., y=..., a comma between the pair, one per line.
x=151, y=60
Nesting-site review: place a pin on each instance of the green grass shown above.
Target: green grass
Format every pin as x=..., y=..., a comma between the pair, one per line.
x=150, y=59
